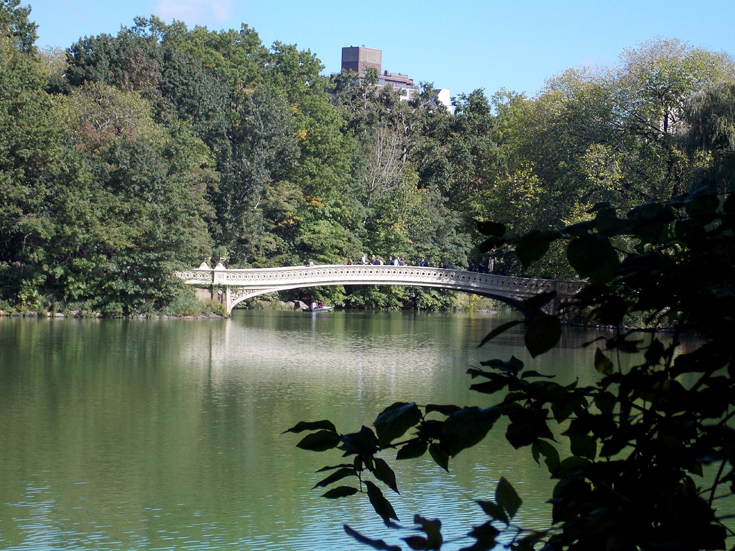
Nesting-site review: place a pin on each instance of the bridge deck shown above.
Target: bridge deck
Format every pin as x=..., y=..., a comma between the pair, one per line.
x=241, y=284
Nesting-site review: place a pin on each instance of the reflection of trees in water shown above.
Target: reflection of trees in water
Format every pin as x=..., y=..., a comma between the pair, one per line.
x=175, y=425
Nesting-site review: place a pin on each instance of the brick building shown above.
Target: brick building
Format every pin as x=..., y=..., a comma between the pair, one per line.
x=358, y=59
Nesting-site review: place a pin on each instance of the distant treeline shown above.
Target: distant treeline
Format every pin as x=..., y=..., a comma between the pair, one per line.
x=123, y=158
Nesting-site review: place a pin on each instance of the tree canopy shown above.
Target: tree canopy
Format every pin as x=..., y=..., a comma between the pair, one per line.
x=185, y=141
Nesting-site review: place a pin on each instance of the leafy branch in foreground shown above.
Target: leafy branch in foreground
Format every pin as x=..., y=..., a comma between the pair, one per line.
x=641, y=438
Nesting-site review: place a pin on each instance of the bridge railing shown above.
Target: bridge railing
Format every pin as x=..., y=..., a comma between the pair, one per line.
x=357, y=274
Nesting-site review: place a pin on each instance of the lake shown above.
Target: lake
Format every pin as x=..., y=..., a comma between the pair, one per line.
x=168, y=434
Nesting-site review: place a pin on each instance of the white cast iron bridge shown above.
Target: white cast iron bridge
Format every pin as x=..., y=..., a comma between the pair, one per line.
x=232, y=286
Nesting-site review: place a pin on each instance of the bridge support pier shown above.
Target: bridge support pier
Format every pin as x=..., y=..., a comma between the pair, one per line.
x=213, y=294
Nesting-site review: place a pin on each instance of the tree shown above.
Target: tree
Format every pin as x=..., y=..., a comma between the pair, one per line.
x=129, y=61
x=639, y=439
x=710, y=140
x=650, y=91
x=16, y=26
x=196, y=95
x=262, y=149
x=385, y=163
x=615, y=135
x=140, y=211
x=31, y=165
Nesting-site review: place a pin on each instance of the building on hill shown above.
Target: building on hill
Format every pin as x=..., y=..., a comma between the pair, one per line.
x=359, y=59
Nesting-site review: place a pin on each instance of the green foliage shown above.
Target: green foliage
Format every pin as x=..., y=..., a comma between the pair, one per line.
x=110, y=148
x=618, y=135
x=711, y=115
x=32, y=168
x=640, y=438
x=16, y=26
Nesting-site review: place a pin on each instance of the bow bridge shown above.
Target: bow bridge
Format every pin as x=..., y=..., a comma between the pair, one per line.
x=232, y=286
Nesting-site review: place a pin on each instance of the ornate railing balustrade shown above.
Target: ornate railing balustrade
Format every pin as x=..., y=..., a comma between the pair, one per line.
x=236, y=285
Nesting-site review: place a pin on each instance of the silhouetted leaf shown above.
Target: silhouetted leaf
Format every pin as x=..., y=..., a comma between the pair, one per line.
x=699, y=205
x=499, y=331
x=319, y=441
x=381, y=505
x=529, y=374
x=729, y=205
x=412, y=450
x=607, y=221
x=593, y=257
x=467, y=427
x=495, y=384
x=580, y=228
x=605, y=402
x=432, y=529
x=486, y=536
x=364, y=443
x=535, y=303
x=491, y=228
x=514, y=365
x=385, y=474
x=417, y=542
x=443, y=409
x=534, y=245
x=395, y=420
x=529, y=542
x=333, y=467
x=550, y=453
x=622, y=343
x=494, y=511
x=526, y=426
x=542, y=335
x=507, y=497
x=655, y=352
x=375, y=544
x=312, y=425
x=439, y=457
x=340, y=491
x=571, y=466
x=583, y=445
x=603, y=364
x=335, y=476
x=490, y=244
x=611, y=311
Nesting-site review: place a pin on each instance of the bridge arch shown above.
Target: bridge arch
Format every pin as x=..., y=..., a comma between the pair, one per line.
x=238, y=285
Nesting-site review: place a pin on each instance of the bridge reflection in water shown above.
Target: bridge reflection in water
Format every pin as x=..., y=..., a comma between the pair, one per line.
x=232, y=286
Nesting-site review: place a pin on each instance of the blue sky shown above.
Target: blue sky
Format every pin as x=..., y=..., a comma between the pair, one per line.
x=461, y=45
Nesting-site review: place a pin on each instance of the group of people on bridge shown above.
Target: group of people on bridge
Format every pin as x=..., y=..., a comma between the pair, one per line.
x=377, y=260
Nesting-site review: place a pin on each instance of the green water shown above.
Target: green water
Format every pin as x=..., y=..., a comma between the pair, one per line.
x=168, y=434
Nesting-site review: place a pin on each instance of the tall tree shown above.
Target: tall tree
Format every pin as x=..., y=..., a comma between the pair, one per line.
x=16, y=25
x=144, y=207
x=262, y=148
x=710, y=139
x=30, y=157
x=650, y=90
